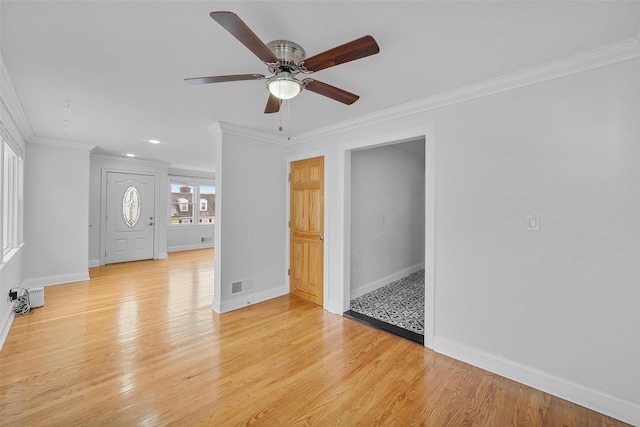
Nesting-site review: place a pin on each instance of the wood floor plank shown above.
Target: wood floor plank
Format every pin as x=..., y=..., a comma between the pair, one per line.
x=138, y=344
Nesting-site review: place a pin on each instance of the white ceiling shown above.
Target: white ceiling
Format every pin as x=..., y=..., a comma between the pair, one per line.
x=121, y=64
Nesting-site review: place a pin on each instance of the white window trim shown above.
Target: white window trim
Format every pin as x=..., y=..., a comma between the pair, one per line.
x=14, y=177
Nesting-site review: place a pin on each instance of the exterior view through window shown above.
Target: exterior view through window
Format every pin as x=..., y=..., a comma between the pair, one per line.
x=193, y=203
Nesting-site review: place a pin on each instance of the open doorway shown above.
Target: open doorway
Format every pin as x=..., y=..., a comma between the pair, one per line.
x=387, y=238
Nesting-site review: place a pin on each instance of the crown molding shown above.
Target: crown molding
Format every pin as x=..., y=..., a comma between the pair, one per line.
x=127, y=160
x=12, y=104
x=219, y=128
x=61, y=143
x=600, y=57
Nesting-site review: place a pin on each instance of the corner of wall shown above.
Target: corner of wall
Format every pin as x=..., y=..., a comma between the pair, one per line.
x=56, y=280
x=378, y=283
x=216, y=305
x=10, y=277
x=6, y=326
x=248, y=299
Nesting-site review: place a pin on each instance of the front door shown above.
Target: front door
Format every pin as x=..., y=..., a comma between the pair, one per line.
x=307, y=229
x=130, y=217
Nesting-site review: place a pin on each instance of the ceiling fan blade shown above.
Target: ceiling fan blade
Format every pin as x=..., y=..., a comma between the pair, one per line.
x=331, y=91
x=273, y=104
x=232, y=23
x=221, y=79
x=356, y=49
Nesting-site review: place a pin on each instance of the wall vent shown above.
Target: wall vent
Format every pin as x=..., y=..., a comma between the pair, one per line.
x=241, y=286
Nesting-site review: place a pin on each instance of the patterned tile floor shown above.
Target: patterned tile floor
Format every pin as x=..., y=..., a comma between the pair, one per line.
x=400, y=303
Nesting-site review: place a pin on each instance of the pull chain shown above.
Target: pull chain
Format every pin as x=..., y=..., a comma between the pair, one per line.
x=280, y=128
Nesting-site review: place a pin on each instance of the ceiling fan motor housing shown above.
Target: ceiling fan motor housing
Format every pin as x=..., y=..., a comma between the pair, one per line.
x=289, y=55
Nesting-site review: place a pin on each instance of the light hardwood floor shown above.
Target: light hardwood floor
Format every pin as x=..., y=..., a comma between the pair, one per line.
x=139, y=345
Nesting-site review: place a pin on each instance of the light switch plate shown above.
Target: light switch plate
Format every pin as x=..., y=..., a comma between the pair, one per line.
x=533, y=222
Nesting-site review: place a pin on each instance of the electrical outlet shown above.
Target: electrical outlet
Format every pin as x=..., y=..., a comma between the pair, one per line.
x=13, y=295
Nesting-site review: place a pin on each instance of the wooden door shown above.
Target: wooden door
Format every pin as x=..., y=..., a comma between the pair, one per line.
x=130, y=217
x=307, y=229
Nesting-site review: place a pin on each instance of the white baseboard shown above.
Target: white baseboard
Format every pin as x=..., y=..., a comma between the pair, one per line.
x=249, y=298
x=596, y=400
x=6, y=327
x=55, y=280
x=190, y=247
x=96, y=262
x=372, y=286
x=333, y=307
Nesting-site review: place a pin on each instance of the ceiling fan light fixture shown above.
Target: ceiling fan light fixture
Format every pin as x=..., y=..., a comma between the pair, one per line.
x=284, y=86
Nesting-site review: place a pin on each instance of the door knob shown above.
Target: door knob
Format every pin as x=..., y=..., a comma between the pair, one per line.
x=321, y=238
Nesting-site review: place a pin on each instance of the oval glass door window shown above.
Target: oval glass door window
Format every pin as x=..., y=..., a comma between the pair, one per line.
x=131, y=206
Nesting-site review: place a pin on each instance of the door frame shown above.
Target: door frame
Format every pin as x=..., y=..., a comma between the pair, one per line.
x=343, y=200
x=327, y=240
x=104, y=171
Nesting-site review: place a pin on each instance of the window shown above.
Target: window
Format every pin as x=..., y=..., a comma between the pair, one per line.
x=192, y=201
x=181, y=201
x=11, y=170
x=207, y=204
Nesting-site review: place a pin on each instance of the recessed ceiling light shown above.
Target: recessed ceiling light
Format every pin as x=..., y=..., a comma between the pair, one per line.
x=154, y=141
x=130, y=155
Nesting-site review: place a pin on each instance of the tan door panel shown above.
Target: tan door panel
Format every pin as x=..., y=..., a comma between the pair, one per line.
x=307, y=229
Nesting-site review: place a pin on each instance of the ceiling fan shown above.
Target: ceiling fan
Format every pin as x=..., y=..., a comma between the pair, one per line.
x=285, y=60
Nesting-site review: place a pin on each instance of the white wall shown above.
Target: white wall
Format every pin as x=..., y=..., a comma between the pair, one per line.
x=56, y=206
x=387, y=215
x=251, y=183
x=183, y=238
x=564, y=301
x=558, y=309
